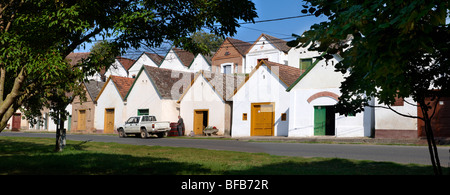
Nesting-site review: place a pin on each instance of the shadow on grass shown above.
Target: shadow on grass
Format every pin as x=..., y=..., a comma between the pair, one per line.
x=34, y=159
x=336, y=166
x=22, y=157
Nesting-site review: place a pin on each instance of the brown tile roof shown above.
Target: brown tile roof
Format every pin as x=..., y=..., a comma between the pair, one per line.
x=185, y=57
x=287, y=74
x=165, y=79
x=125, y=62
x=280, y=44
x=74, y=58
x=155, y=57
x=122, y=84
x=241, y=46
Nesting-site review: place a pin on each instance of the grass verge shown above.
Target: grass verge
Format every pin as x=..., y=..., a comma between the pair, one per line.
x=35, y=156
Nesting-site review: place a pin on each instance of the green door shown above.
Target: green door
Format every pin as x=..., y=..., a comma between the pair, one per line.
x=319, y=120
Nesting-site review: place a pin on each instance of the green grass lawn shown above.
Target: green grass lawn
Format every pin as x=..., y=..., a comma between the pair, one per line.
x=35, y=156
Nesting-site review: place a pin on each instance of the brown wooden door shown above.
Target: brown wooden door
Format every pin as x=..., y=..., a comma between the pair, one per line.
x=262, y=119
x=200, y=121
x=81, y=120
x=109, y=121
x=16, y=122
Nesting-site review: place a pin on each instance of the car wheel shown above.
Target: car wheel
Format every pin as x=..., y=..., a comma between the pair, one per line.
x=122, y=133
x=144, y=133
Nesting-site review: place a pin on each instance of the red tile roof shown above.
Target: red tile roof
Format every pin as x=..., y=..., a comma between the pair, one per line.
x=287, y=74
x=122, y=84
x=125, y=62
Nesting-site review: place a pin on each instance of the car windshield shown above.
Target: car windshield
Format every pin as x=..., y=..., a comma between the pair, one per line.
x=133, y=120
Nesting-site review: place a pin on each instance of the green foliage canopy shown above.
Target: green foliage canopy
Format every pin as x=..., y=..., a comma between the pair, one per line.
x=390, y=48
x=37, y=35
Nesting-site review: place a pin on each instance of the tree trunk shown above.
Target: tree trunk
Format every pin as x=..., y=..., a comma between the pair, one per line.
x=430, y=139
x=60, y=134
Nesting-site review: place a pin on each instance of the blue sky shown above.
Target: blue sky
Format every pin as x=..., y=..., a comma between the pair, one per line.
x=269, y=9
x=266, y=9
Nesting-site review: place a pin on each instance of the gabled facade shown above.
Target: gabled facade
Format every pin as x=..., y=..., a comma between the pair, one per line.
x=182, y=60
x=312, y=100
x=200, y=63
x=146, y=58
x=111, y=105
x=268, y=48
x=83, y=112
x=119, y=67
x=230, y=57
x=177, y=59
x=261, y=103
x=205, y=102
x=155, y=91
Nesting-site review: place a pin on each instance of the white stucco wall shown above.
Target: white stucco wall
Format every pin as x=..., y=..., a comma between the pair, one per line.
x=171, y=61
x=261, y=87
x=301, y=123
x=109, y=98
x=387, y=119
x=263, y=49
x=201, y=96
x=144, y=95
x=199, y=63
x=116, y=69
x=323, y=78
x=295, y=54
x=142, y=60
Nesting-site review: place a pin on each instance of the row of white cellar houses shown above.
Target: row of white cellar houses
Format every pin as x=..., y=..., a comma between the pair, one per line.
x=263, y=88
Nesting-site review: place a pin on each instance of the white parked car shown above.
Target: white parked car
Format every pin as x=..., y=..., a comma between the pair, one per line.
x=144, y=126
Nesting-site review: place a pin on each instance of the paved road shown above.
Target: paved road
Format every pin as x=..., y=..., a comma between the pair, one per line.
x=400, y=154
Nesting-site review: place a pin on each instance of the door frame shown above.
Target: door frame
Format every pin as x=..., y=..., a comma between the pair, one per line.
x=329, y=120
x=113, y=120
x=16, y=119
x=252, y=121
x=85, y=119
x=207, y=118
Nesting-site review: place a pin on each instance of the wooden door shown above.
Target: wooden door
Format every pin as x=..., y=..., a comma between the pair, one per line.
x=198, y=122
x=109, y=121
x=262, y=120
x=319, y=120
x=81, y=120
x=16, y=122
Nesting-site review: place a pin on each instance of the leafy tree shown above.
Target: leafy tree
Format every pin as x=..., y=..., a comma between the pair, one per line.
x=37, y=35
x=390, y=49
x=210, y=42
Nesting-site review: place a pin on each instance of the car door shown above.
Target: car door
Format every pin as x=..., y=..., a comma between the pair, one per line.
x=135, y=124
x=131, y=126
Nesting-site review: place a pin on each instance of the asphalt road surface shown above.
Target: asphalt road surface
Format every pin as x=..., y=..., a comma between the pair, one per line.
x=399, y=154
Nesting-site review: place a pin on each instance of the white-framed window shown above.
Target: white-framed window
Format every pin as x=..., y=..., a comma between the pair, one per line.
x=227, y=68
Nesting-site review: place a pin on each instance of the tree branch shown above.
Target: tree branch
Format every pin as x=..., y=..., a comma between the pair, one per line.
x=76, y=43
x=435, y=106
x=14, y=94
x=410, y=103
x=2, y=82
x=401, y=114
